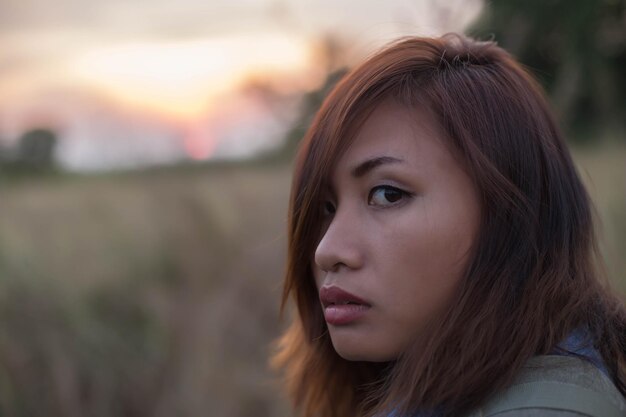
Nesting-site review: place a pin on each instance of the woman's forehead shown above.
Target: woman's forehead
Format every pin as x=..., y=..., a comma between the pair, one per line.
x=392, y=133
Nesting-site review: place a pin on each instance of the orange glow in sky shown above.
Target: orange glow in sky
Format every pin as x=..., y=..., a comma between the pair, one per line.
x=124, y=82
x=182, y=79
x=198, y=145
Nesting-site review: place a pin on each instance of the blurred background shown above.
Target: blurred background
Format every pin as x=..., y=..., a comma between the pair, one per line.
x=145, y=157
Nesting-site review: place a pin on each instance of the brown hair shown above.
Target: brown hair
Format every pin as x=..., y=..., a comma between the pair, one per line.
x=533, y=277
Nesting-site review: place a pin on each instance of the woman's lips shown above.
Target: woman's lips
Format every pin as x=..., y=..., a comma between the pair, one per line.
x=341, y=307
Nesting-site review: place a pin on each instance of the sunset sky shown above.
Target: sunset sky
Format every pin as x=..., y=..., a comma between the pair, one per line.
x=139, y=82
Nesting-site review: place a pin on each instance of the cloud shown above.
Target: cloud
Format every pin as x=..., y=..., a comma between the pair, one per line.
x=120, y=18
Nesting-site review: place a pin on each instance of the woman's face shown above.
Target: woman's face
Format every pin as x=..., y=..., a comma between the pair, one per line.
x=401, y=218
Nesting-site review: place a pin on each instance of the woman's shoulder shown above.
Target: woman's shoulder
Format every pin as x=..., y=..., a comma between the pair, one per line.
x=557, y=386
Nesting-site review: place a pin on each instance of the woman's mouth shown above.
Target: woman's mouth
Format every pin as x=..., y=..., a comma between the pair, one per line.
x=341, y=307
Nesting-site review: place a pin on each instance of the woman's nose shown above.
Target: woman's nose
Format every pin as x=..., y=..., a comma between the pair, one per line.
x=341, y=245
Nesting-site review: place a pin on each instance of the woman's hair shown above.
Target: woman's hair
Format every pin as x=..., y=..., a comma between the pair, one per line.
x=534, y=274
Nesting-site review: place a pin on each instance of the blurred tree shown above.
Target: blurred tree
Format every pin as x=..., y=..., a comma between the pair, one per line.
x=36, y=148
x=577, y=48
x=331, y=55
x=312, y=102
x=5, y=153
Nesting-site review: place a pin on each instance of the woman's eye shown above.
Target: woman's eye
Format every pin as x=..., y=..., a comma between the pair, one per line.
x=385, y=195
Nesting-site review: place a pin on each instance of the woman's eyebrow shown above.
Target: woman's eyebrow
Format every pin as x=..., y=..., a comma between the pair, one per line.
x=368, y=165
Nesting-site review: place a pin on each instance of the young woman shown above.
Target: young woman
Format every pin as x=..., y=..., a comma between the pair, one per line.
x=442, y=256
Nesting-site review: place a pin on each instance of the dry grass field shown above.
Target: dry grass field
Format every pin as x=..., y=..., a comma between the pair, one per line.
x=604, y=172
x=156, y=293
x=142, y=294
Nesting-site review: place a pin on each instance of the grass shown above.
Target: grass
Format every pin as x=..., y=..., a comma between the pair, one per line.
x=142, y=295
x=603, y=170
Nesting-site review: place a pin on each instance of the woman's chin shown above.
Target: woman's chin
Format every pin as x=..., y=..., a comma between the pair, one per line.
x=362, y=350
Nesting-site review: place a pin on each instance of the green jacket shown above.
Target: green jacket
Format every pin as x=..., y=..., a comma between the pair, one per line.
x=557, y=386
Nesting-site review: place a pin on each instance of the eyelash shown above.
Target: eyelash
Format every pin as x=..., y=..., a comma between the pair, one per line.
x=401, y=194
x=329, y=208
